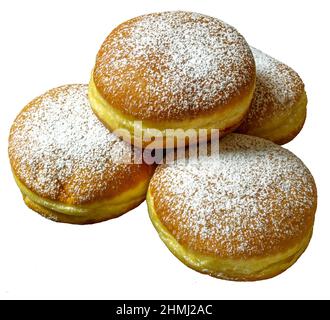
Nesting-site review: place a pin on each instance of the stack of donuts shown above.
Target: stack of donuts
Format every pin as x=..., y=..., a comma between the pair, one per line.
x=243, y=210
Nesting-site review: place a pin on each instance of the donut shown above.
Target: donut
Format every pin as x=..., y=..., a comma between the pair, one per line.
x=68, y=166
x=163, y=72
x=244, y=212
x=278, y=108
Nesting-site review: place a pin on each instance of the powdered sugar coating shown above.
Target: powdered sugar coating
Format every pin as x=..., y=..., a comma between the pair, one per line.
x=278, y=88
x=173, y=65
x=60, y=150
x=252, y=199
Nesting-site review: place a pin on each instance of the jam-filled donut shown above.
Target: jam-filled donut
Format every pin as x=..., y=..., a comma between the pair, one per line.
x=278, y=109
x=172, y=70
x=68, y=166
x=244, y=213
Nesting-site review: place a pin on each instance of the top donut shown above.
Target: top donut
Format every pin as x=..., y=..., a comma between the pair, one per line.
x=173, y=66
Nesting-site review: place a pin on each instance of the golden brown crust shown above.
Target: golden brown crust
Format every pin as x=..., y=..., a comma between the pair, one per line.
x=61, y=152
x=173, y=66
x=255, y=200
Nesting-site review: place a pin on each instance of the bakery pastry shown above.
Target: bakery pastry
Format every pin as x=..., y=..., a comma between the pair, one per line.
x=68, y=166
x=278, y=109
x=172, y=70
x=244, y=213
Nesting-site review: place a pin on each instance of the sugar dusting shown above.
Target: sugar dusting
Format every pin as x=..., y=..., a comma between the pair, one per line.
x=58, y=139
x=278, y=88
x=173, y=62
x=246, y=200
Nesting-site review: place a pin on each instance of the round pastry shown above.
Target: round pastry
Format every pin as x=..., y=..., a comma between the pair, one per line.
x=244, y=213
x=68, y=166
x=172, y=70
x=278, y=109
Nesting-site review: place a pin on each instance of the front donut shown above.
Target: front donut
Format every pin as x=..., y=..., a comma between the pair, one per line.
x=244, y=213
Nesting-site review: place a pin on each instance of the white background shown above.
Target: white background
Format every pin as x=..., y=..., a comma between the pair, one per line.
x=45, y=44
